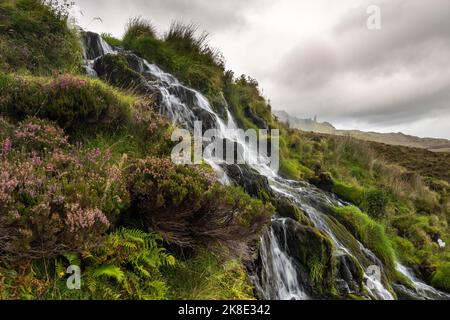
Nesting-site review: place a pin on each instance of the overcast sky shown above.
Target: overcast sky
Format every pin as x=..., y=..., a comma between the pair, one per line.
x=318, y=57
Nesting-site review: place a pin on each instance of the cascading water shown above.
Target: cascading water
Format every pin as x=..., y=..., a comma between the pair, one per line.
x=279, y=277
x=420, y=290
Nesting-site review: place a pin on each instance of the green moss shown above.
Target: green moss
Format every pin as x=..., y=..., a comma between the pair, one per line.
x=369, y=232
x=349, y=193
x=441, y=277
x=112, y=41
x=287, y=209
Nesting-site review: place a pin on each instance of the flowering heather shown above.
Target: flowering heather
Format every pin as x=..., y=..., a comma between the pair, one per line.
x=55, y=197
x=79, y=218
x=35, y=134
x=6, y=146
x=65, y=82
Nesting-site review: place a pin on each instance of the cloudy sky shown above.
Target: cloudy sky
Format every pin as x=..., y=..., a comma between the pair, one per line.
x=317, y=57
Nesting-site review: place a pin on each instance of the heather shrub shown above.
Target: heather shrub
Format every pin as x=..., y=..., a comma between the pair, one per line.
x=35, y=135
x=74, y=103
x=152, y=129
x=57, y=199
x=189, y=208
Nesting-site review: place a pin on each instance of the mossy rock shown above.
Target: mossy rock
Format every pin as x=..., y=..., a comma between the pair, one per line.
x=323, y=180
x=441, y=277
x=116, y=70
x=370, y=233
x=251, y=181
x=287, y=209
x=313, y=255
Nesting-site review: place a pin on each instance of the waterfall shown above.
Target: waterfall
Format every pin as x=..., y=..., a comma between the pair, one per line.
x=279, y=277
x=420, y=290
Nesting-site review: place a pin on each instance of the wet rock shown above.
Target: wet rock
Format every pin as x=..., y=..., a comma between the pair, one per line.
x=115, y=70
x=404, y=293
x=94, y=45
x=257, y=120
x=220, y=105
x=350, y=272
x=135, y=63
x=312, y=253
x=287, y=209
x=251, y=181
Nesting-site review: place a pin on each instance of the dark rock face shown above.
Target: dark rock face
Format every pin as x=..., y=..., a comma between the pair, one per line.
x=257, y=120
x=312, y=253
x=323, y=180
x=404, y=293
x=93, y=45
x=135, y=63
x=252, y=182
x=349, y=275
x=115, y=70
x=220, y=106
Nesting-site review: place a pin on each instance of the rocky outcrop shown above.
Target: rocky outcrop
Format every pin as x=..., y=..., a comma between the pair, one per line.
x=312, y=253
x=114, y=69
x=251, y=181
x=257, y=120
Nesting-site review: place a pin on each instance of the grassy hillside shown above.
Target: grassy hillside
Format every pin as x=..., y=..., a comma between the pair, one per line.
x=86, y=178
x=396, y=139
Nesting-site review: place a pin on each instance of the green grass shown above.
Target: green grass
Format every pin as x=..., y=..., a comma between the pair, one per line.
x=209, y=277
x=441, y=277
x=369, y=232
x=35, y=39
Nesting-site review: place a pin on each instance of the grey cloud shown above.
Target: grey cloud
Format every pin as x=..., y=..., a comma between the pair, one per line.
x=213, y=16
x=298, y=70
x=396, y=75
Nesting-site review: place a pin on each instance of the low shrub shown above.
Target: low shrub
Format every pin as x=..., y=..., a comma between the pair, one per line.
x=189, y=208
x=137, y=28
x=375, y=202
x=74, y=103
x=54, y=198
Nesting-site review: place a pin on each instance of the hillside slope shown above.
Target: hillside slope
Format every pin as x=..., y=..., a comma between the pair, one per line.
x=398, y=139
x=87, y=180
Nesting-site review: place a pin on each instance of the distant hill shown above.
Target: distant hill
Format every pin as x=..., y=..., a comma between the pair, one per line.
x=398, y=139
x=305, y=124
